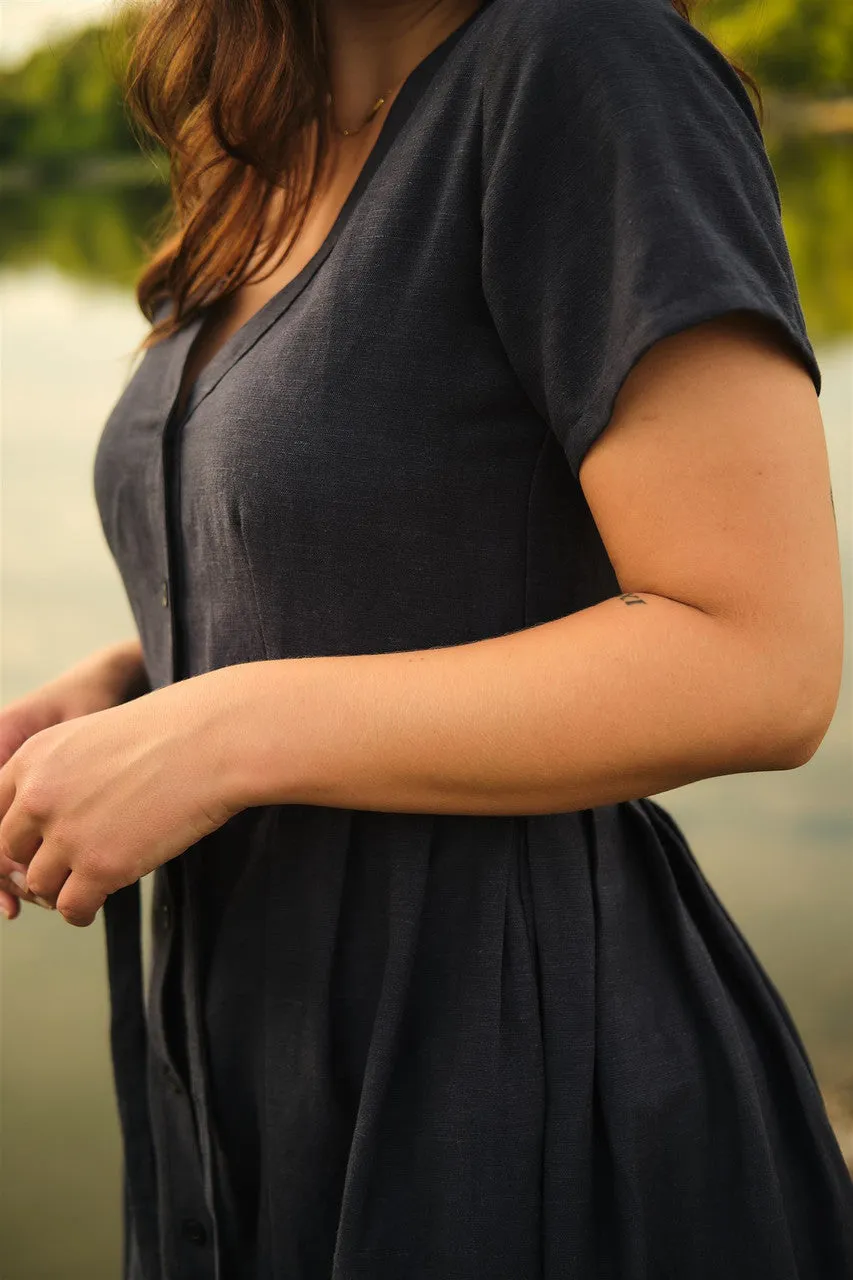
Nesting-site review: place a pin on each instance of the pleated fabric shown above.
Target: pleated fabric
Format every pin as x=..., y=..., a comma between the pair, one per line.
x=514, y=1047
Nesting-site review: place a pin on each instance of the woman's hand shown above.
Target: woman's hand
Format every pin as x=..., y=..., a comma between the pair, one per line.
x=103, y=679
x=92, y=804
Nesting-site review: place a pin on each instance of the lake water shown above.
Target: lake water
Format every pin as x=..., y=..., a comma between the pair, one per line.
x=777, y=847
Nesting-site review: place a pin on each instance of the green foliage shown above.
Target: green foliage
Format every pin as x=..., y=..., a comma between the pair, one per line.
x=815, y=178
x=794, y=46
x=61, y=112
x=65, y=100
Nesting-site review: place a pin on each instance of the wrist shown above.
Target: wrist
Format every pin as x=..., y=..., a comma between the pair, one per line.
x=106, y=678
x=265, y=738
x=124, y=669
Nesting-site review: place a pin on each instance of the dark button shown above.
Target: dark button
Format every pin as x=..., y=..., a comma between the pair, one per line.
x=165, y=916
x=164, y=594
x=192, y=1230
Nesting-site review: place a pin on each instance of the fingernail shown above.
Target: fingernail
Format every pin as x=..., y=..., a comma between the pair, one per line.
x=5, y=911
x=18, y=878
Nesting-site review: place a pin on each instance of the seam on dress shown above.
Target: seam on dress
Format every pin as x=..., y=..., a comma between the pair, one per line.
x=543, y=443
x=481, y=192
x=265, y=1217
x=603, y=1163
x=526, y=875
x=251, y=574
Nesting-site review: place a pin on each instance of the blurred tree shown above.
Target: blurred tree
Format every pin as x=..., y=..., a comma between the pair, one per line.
x=64, y=101
x=796, y=46
x=815, y=177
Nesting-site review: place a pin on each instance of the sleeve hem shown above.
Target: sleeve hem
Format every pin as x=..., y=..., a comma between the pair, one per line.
x=664, y=324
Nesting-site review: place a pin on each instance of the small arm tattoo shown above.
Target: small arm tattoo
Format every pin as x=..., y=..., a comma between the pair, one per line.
x=630, y=598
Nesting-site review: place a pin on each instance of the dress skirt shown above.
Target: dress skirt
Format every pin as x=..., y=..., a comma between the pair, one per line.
x=451, y=1048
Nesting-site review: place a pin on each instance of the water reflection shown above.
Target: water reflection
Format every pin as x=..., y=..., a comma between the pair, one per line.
x=89, y=233
x=97, y=232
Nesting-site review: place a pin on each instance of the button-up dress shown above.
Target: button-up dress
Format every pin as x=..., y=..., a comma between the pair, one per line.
x=414, y=1046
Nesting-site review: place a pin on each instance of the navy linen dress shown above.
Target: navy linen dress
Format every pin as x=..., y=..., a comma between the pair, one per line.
x=412, y=1046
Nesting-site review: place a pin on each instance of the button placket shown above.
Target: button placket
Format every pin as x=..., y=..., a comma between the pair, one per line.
x=190, y=1222
x=182, y=1207
x=181, y=1180
x=197, y=1068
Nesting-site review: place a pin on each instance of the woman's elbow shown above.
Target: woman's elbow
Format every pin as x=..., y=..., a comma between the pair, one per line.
x=808, y=716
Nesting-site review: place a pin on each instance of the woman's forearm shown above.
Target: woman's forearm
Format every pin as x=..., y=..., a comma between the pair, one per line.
x=122, y=666
x=630, y=697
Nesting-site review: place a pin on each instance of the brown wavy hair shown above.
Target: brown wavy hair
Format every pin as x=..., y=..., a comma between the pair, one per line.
x=230, y=88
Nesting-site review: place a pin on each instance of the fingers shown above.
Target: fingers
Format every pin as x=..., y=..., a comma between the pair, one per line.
x=20, y=840
x=79, y=904
x=13, y=879
x=78, y=901
x=46, y=874
x=20, y=837
x=13, y=885
x=46, y=880
x=7, y=784
x=9, y=905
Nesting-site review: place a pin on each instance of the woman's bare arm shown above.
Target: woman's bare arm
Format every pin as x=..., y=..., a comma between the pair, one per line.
x=710, y=487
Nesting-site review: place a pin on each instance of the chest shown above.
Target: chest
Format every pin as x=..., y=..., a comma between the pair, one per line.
x=352, y=467
x=370, y=347
x=303, y=242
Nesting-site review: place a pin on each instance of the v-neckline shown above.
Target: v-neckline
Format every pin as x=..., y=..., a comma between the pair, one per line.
x=238, y=342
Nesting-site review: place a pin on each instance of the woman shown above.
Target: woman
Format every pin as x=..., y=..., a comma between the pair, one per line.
x=498, y=504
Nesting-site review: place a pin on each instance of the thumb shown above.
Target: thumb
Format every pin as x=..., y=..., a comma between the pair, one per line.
x=9, y=905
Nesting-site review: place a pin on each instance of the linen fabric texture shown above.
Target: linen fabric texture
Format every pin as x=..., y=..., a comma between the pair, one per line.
x=417, y=1046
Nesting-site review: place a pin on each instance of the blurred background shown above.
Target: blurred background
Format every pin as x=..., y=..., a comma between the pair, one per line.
x=77, y=199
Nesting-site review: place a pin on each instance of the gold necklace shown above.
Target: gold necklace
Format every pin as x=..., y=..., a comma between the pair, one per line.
x=347, y=133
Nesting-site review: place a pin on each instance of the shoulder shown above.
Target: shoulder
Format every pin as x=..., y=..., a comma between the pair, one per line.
x=530, y=18
x=605, y=28
x=578, y=55
x=605, y=76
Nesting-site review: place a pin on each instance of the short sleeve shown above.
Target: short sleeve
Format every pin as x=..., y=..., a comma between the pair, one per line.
x=626, y=195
